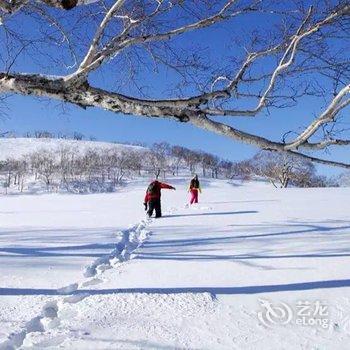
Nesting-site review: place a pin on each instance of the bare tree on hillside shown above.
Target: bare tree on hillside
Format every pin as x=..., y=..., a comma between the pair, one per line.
x=209, y=162
x=78, y=136
x=45, y=166
x=241, y=170
x=158, y=158
x=178, y=158
x=344, y=179
x=20, y=170
x=203, y=159
x=8, y=168
x=43, y=134
x=136, y=161
x=119, y=163
x=192, y=160
x=67, y=165
x=283, y=169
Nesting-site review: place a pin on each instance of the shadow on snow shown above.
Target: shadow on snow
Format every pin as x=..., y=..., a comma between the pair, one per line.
x=212, y=290
x=212, y=214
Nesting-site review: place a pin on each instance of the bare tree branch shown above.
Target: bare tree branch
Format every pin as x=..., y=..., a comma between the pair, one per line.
x=119, y=43
x=254, y=140
x=272, y=71
x=99, y=33
x=327, y=116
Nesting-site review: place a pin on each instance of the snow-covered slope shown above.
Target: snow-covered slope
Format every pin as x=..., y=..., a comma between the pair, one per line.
x=90, y=272
x=17, y=147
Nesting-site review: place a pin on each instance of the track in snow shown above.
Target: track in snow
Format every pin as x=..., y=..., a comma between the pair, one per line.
x=128, y=241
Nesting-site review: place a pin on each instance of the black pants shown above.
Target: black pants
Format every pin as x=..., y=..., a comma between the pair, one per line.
x=154, y=205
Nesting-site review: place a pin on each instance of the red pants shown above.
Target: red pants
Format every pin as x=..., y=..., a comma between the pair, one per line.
x=194, y=196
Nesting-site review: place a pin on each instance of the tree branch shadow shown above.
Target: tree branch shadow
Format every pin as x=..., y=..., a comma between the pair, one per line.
x=258, y=289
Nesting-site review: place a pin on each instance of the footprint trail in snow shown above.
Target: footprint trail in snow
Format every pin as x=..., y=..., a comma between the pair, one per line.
x=50, y=317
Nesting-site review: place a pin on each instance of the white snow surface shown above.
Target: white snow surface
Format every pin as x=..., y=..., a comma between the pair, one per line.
x=19, y=147
x=92, y=272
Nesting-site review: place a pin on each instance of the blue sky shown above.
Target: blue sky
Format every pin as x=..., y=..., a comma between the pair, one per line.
x=26, y=114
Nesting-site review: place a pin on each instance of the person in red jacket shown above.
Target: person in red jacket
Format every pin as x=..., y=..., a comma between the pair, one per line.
x=152, y=197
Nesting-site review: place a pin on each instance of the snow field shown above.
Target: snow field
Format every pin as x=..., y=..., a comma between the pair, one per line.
x=54, y=310
x=78, y=276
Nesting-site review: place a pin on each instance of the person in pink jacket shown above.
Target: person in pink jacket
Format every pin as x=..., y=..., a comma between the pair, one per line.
x=194, y=188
